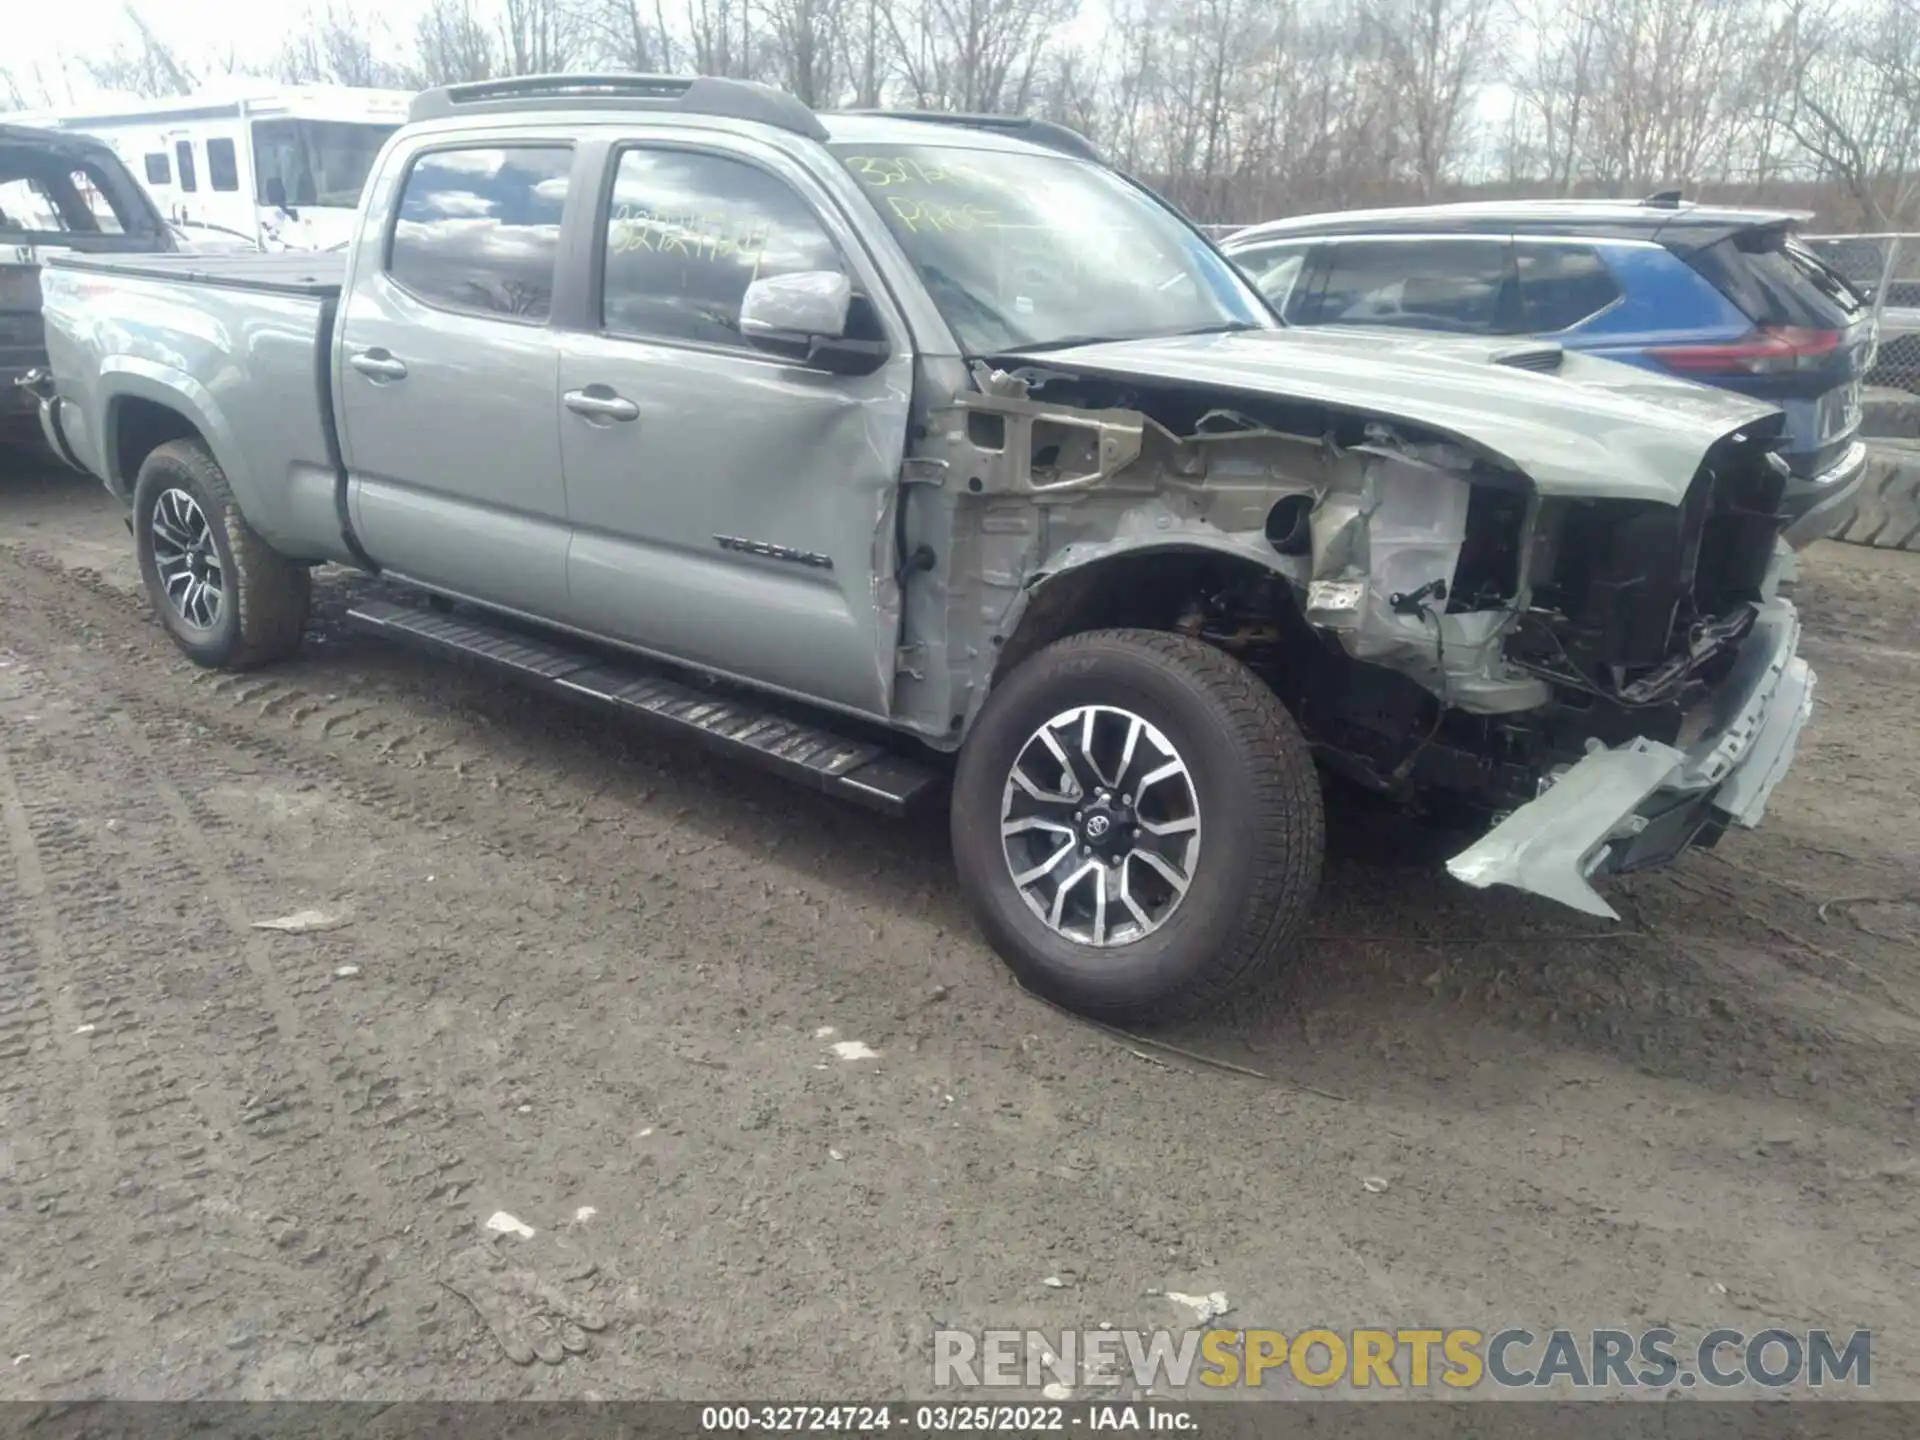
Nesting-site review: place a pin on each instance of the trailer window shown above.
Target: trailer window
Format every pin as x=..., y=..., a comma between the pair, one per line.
x=314, y=162
x=159, y=168
x=223, y=168
x=183, y=154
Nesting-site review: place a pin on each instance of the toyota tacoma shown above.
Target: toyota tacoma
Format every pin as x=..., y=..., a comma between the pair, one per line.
x=902, y=452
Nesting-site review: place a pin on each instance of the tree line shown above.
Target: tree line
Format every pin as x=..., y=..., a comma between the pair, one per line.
x=1236, y=109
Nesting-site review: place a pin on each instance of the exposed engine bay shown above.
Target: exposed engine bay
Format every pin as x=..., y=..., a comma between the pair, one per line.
x=1443, y=633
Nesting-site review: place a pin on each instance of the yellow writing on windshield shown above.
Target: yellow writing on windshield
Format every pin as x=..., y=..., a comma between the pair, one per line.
x=929, y=215
x=692, y=234
x=898, y=172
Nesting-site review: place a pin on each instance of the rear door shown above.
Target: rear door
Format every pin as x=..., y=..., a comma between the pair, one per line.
x=732, y=509
x=446, y=374
x=1809, y=351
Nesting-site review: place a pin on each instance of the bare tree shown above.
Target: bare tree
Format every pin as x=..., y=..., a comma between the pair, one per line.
x=627, y=35
x=974, y=55
x=1553, y=83
x=143, y=64
x=336, y=46
x=1433, y=54
x=1855, y=104
x=28, y=87
x=538, y=37
x=720, y=37
x=453, y=44
x=807, y=42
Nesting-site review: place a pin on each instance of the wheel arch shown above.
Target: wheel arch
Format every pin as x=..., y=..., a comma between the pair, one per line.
x=1139, y=587
x=145, y=409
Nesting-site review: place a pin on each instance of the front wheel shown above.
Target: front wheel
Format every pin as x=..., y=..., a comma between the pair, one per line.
x=228, y=598
x=1137, y=824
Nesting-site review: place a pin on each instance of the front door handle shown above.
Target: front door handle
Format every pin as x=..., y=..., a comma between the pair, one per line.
x=597, y=402
x=377, y=364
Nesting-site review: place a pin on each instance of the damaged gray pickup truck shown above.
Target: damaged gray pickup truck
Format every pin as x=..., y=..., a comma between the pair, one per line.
x=855, y=443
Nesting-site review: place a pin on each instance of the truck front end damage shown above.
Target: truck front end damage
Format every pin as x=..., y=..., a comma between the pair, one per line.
x=1594, y=676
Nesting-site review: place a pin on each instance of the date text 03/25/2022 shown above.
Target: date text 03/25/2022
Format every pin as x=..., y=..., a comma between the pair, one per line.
x=939, y=1419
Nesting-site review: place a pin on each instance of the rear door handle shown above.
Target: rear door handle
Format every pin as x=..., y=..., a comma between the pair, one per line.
x=377, y=364
x=597, y=402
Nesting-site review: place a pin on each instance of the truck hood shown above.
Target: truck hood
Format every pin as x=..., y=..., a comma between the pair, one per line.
x=1590, y=427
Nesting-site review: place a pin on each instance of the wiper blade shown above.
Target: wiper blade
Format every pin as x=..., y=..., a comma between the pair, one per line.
x=1223, y=327
x=1067, y=342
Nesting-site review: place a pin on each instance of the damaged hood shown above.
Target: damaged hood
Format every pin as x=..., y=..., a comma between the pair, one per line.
x=1590, y=427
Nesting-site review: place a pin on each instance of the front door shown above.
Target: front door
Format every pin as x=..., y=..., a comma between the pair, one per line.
x=732, y=509
x=448, y=406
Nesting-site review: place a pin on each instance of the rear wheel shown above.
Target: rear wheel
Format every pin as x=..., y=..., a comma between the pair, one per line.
x=1137, y=824
x=229, y=600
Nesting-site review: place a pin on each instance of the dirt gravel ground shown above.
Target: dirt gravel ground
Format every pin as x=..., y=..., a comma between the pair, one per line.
x=587, y=977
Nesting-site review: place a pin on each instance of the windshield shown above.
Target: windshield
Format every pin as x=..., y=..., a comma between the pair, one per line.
x=314, y=162
x=1024, y=251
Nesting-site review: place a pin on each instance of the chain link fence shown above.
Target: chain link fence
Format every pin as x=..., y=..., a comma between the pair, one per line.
x=1886, y=268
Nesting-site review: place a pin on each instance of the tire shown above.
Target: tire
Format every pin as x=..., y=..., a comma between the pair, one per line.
x=1258, y=832
x=261, y=600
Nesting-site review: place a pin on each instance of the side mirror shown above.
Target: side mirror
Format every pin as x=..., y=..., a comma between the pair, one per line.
x=807, y=304
x=805, y=317
x=276, y=192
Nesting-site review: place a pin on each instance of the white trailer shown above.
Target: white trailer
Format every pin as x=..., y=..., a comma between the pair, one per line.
x=281, y=167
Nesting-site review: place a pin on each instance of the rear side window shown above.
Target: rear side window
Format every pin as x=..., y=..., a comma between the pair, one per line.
x=1775, y=280
x=1561, y=285
x=223, y=171
x=183, y=157
x=159, y=171
x=479, y=230
x=90, y=189
x=688, y=233
x=41, y=193
x=1418, y=283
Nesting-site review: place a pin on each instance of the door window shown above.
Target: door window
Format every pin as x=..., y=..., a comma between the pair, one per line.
x=688, y=232
x=479, y=230
x=183, y=157
x=1561, y=285
x=1275, y=271
x=1418, y=283
x=223, y=169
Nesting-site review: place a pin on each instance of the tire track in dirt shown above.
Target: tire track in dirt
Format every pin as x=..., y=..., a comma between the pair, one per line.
x=306, y=1112
x=213, y=1119
x=56, y=1146
x=157, y=1169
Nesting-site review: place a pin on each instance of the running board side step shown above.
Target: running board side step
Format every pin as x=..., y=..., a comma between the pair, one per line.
x=855, y=770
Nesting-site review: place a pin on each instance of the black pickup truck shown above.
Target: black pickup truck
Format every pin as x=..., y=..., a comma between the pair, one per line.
x=57, y=192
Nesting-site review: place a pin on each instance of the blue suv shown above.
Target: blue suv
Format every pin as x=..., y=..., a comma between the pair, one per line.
x=1723, y=296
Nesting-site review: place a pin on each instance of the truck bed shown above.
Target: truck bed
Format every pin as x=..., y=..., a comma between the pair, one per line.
x=316, y=276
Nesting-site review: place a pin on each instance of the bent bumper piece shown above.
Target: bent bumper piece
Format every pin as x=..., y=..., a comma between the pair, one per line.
x=54, y=436
x=1640, y=804
x=1825, y=503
